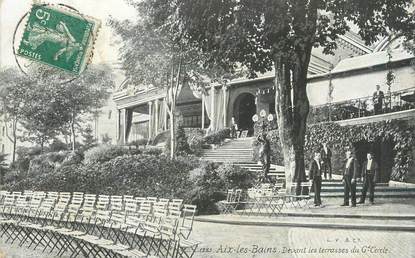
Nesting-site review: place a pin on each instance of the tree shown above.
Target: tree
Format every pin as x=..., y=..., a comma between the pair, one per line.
x=12, y=98
x=154, y=55
x=89, y=140
x=279, y=35
x=43, y=113
x=86, y=95
x=3, y=167
x=182, y=144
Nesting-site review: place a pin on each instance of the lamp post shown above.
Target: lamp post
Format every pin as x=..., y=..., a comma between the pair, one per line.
x=263, y=119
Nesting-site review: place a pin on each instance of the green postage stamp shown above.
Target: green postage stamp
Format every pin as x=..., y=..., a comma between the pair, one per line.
x=58, y=37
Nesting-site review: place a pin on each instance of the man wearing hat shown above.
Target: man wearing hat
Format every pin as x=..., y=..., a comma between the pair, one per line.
x=370, y=171
x=349, y=179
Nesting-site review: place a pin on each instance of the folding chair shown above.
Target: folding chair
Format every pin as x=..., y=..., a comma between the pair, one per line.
x=298, y=200
x=227, y=204
x=186, y=247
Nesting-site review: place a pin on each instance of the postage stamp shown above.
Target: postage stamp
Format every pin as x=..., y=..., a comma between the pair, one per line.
x=58, y=37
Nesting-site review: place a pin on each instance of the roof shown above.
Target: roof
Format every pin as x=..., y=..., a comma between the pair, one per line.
x=370, y=60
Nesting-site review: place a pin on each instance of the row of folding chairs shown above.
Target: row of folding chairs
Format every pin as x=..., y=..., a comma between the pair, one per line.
x=141, y=227
x=267, y=199
x=114, y=203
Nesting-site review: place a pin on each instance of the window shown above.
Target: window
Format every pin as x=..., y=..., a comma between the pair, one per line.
x=109, y=114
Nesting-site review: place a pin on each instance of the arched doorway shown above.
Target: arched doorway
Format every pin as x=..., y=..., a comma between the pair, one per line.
x=243, y=110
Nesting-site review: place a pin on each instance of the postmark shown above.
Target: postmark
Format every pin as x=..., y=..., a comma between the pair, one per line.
x=59, y=38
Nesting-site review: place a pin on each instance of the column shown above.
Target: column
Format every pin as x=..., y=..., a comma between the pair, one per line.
x=225, y=105
x=165, y=113
x=122, y=126
x=156, y=110
x=150, y=120
x=212, y=108
x=203, y=110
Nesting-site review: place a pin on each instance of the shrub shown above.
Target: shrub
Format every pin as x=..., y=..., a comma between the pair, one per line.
x=182, y=146
x=104, y=153
x=196, y=145
x=208, y=188
x=236, y=177
x=217, y=137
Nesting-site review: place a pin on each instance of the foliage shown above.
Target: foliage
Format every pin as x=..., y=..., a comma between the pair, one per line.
x=268, y=35
x=236, y=177
x=182, y=142
x=154, y=55
x=58, y=145
x=3, y=167
x=12, y=97
x=341, y=137
x=106, y=139
x=89, y=140
x=217, y=137
x=276, y=155
x=208, y=188
x=104, y=153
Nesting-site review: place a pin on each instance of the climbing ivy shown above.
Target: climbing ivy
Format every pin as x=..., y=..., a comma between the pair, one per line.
x=400, y=132
x=340, y=137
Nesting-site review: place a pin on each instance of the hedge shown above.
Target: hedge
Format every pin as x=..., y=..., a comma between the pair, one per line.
x=185, y=177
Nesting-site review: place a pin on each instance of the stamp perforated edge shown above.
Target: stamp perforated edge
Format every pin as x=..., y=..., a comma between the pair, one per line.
x=88, y=53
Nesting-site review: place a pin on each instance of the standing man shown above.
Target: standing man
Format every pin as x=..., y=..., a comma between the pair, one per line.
x=234, y=128
x=315, y=177
x=264, y=155
x=326, y=160
x=370, y=173
x=349, y=179
x=378, y=97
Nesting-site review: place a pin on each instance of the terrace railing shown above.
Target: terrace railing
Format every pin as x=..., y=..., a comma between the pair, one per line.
x=362, y=107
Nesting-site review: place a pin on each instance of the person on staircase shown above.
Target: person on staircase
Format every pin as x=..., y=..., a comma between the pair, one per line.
x=234, y=128
x=315, y=177
x=370, y=172
x=350, y=176
x=264, y=155
x=326, y=160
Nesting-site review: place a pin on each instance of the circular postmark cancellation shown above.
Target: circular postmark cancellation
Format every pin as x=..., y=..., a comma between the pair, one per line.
x=56, y=43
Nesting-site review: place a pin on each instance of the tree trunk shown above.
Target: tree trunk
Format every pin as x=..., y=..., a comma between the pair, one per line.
x=292, y=107
x=172, y=133
x=73, y=135
x=14, y=140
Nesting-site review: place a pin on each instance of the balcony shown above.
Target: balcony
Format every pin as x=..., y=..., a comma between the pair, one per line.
x=396, y=105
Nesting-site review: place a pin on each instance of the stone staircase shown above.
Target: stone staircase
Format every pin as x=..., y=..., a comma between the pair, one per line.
x=240, y=152
x=232, y=151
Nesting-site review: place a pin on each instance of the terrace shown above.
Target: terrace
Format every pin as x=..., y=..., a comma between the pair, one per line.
x=396, y=105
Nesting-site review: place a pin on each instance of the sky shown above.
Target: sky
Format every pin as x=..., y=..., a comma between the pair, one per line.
x=105, y=51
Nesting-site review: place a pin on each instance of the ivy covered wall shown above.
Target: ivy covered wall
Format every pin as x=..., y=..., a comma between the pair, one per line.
x=398, y=132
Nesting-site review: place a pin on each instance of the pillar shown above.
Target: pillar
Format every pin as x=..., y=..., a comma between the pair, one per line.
x=122, y=119
x=156, y=111
x=165, y=113
x=150, y=120
x=203, y=111
x=212, y=108
x=225, y=105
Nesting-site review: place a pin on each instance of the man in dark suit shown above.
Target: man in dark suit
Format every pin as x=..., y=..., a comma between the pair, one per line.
x=326, y=160
x=370, y=171
x=378, y=97
x=349, y=179
x=315, y=177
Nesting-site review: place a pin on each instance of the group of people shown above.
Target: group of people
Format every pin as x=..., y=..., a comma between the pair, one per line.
x=352, y=173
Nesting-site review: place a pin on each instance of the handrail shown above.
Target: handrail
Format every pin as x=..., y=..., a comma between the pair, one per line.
x=361, y=107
